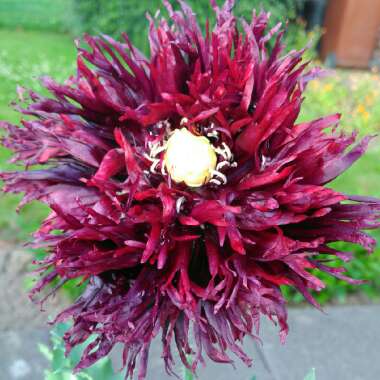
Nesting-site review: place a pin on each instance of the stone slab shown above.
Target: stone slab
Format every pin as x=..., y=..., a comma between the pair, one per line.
x=20, y=358
x=342, y=343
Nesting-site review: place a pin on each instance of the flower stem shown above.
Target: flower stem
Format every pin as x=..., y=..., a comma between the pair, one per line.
x=187, y=374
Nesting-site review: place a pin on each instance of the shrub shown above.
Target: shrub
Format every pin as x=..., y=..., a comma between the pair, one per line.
x=115, y=16
x=35, y=14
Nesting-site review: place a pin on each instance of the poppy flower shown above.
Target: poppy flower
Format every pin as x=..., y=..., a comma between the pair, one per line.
x=183, y=189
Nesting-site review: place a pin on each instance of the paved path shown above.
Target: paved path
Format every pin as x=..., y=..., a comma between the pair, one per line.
x=22, y=325
x=16, y=309
x=343, y=344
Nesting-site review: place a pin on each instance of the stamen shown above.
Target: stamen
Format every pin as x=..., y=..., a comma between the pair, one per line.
x=227, y=151
x=263, y=161
x=220, y=152
x=179, y=203
x=148, y=157
x=222, y=164
x=157, y=149
x=213, y=133
x=215, y=181
x=184, y=121
x=153, y=166
x=220, y=175
x=163, y=169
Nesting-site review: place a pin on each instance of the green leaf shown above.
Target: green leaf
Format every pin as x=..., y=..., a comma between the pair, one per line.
x=52, y=376
x=311, y=375
x=55, y=376
x=85, y=376
x=75, y=355
x=61, y=367
x=59, y=360
x=45, y=351
x=103, y=370
x=188, y=375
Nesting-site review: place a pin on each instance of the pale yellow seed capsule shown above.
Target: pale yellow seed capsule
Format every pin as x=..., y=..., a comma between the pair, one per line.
x=189, y=158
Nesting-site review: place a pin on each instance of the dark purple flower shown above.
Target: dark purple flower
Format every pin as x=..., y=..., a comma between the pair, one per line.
x=169, y=255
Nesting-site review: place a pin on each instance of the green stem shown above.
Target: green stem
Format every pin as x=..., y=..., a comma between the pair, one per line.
x=187, y=375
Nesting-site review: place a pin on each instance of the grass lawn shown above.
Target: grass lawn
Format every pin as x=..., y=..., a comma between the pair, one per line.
x=24, y=56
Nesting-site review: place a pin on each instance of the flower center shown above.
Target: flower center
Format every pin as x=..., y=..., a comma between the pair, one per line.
x=189, y=158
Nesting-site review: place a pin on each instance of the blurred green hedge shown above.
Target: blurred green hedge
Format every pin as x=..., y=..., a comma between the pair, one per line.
x=49, y=15
x=115, y=16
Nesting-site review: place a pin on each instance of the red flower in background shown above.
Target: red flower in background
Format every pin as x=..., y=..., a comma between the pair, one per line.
x=183, y=188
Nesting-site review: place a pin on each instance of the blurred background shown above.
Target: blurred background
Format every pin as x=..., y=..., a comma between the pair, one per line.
x=36, y=38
